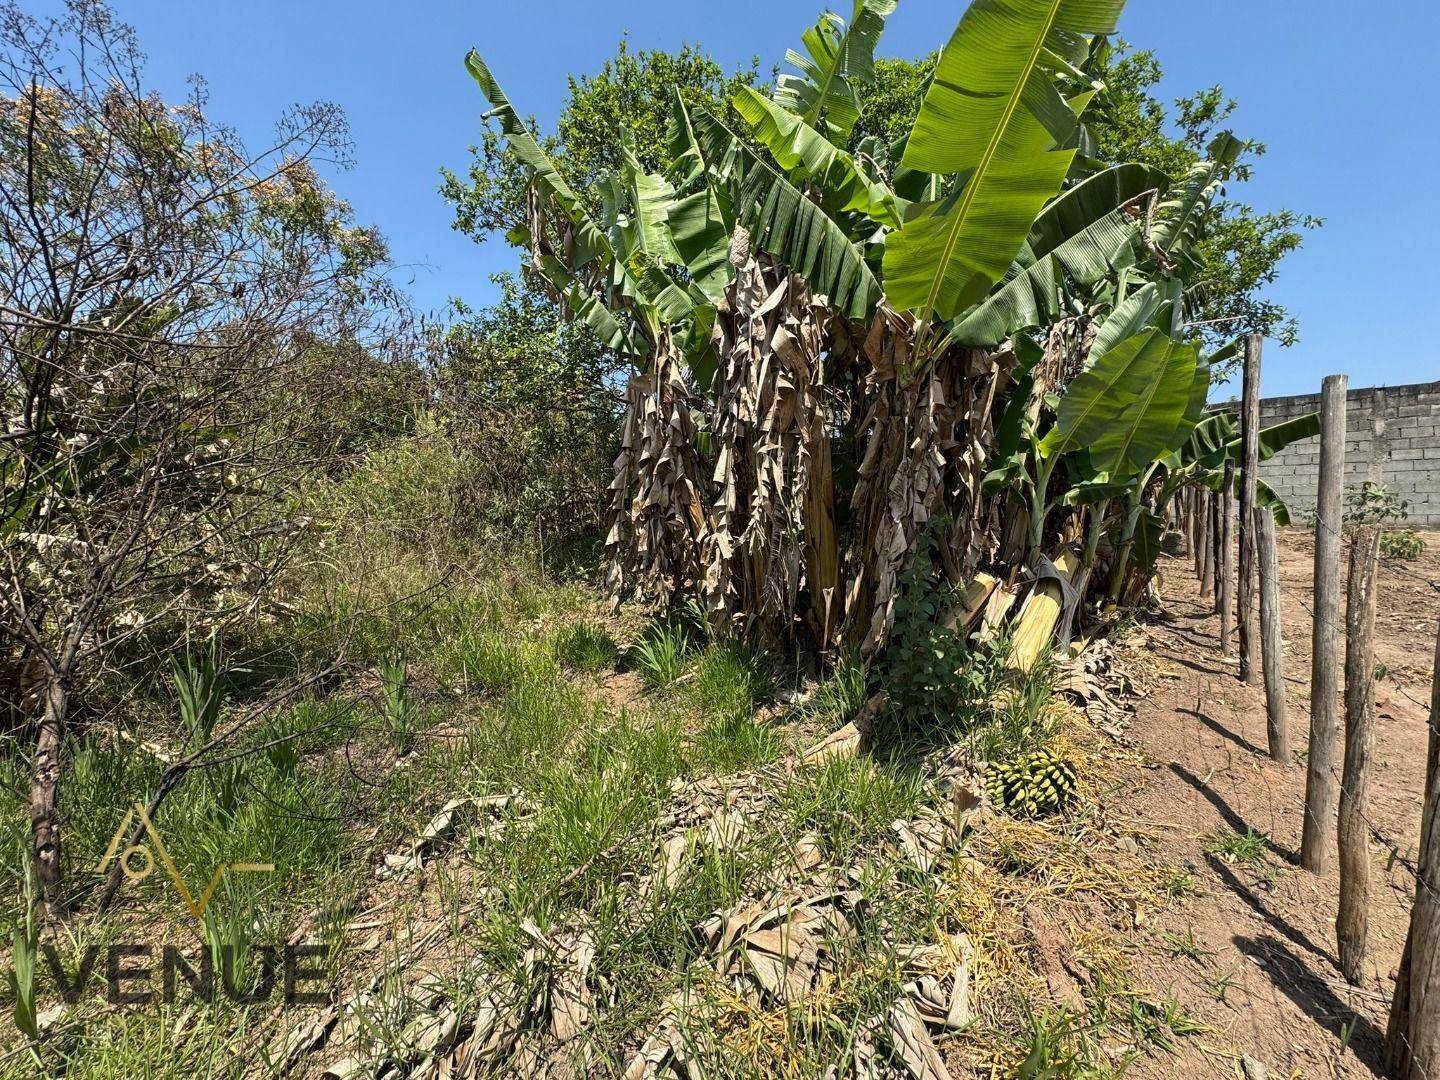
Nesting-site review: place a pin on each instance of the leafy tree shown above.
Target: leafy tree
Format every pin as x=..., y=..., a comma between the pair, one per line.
x=1239, y=249
x=631, y=92
x=892, y=101
x=163, y=286
x=533, y=402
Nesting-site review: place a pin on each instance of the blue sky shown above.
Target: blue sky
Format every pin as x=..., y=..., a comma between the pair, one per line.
x=1340, y=93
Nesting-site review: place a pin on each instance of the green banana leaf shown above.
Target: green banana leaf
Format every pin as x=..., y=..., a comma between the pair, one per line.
x=1147, y=539
x=993, y=115
x=1265, y=496
x=590, y=240
x=702, y=222
x=797, y=231
x=1277, y=437
x=808, y=156
x=1177, y=221
x=1126, y=408
x=1143, y=307
x=617, y=332
x=650, y=197
x=1080, y=235
x=839, y=59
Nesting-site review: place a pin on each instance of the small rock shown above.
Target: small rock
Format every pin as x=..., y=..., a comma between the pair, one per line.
x=1253, y=1069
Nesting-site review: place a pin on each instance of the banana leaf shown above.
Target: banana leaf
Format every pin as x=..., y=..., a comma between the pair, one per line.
x=784, y=222
x=808, y=156
x=590, y=240
x=1080, y=234
x=838, y=59
x=993, y=115
x=1126, y=408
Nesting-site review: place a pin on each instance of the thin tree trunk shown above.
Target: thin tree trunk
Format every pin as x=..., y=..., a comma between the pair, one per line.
x=1227, y=559
x=822, y=551
x=1250, y=445
x=1351, y=925
x=1317, y=838
x=45, y=788
x=1412, y=1043
x=1197, y=532
x=1277, y=728
x=1189, y=496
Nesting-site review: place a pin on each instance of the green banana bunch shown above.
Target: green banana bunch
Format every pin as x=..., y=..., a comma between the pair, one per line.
x=1039, y=784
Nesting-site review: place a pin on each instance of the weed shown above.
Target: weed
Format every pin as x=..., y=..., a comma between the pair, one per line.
x=1185, y=946
x=1158, y=1023
x=734, y=742
x=197, y=686
x=484, y=662
x=1222, y=983
x=398, y=705
x=585, y=647
x=1374, y=503
x=1233, y=847
x=1052, y=1055
x=659, y=654
x=729, y=680
x=1020, y=719
x=841, y=694
x=1403, y=545
x=922, y=670
x=24, y=947
x=850, y=802
x=1178, y=884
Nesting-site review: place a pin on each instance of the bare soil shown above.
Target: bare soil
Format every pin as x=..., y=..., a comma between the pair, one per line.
x=1266, y=980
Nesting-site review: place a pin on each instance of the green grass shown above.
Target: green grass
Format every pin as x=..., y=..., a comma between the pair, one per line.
x=734, y=743
x=585, y=647
x=659, y=654
x=1233, y=847
x=841, y=694
x=849, y=803
x=1017, y=718
x=729, y=682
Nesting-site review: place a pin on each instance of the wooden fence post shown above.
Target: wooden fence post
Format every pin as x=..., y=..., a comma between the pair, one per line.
x=1227, y=558
x=1352, y=922
x=1412, y=1043
x=1316, y=838
x=1277, y=729
x=1207, y=548
x=1216, y=558
x=1250, y=467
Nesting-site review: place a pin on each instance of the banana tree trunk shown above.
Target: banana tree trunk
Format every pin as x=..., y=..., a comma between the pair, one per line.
x=771, y=559
x=658, y=509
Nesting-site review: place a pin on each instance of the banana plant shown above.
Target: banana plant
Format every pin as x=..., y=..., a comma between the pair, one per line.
x=839, y=58
x=1125, y=410
x=996, y=226
x=993, y=116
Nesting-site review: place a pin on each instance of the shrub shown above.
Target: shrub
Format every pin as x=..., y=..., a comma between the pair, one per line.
x=1374, y=504
x=729, y=681
x=1402, y=544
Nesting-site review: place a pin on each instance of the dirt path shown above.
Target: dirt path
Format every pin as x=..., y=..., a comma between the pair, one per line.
x=1252, y=954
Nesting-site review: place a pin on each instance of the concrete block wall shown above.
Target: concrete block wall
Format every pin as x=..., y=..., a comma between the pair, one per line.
x=1392, y=436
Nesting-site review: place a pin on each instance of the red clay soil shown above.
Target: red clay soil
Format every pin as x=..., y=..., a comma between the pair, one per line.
x=1267, y=982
